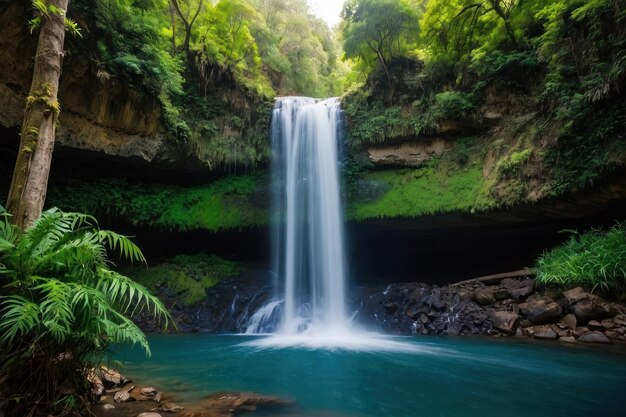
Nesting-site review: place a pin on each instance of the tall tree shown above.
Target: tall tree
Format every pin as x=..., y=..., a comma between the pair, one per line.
x=30, y=177
x=378, y=30
x=188, y=18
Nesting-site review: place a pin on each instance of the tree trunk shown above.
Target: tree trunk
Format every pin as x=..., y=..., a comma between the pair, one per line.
x=30, y=177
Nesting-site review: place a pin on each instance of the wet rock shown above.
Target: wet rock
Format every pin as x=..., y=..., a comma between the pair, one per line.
x=169, y=407
x=594, y=337
x=607, y=324
x=149, y=414
x=391, y=307
x=595, y=325
x=112, y=377
x=561, y=332
x=580, y=331
x=569, y=321
x=149, y=391
x=592, y=308
x=545, y=333
x=501, y=294
x=123, y=396
x=230, y=402
x=414, y=312
x=567, y=339
x=484, y=296
x=107, y=407
x=97, y=386
x=504, y=321
x=575, y=295
x=540, y=309
x=519, y=290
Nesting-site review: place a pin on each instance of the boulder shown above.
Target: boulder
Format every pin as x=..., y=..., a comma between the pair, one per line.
x=422, y=318
x=545, y=333
x=149, y=391
x=593, y=308
x=595, y=325
x=501, y=294
x=575, y=295
x=112, y=378
x=594, y=337
x=484, y=296
x=519, y=290
x=580, y=331
x=567, y=339
x=505, y=321
x=107, y=407
x=540, y=309
x=391, y=307
x=149, y=414
x=123, y=395
x=569, y=321
x=607, y=324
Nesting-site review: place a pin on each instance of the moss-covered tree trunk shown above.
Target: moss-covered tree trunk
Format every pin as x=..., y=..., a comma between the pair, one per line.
x=30, y=177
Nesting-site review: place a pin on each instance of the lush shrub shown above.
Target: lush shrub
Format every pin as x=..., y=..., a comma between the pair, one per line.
x=452, y=105
x=61, y=306
x=593, y=259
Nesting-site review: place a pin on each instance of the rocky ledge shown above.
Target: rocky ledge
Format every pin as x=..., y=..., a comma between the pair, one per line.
x=114, y=395
x=500, y=307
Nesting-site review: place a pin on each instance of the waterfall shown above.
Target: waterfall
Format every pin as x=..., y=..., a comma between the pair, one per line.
x=309, y=247
x=308, y=242
x=309, y=308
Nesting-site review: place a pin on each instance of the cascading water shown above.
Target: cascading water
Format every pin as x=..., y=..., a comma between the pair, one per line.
x=309, y=309
x=308, y=237
x=310, y=244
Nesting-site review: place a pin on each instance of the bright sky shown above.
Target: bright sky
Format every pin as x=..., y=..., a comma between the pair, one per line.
x=327, y=9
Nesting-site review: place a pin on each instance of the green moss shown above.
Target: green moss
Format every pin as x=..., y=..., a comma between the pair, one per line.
x=227, y=203
x=186, y=275
x=440, y=186
x=222, y=205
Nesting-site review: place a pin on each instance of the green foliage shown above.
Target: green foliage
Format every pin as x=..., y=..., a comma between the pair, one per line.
x=593, y=259
x=230, y=202
x=61, y=304
x=566, y=58
x=375, y=32
x=187, y=275
x=452, y=105
x=514, y=162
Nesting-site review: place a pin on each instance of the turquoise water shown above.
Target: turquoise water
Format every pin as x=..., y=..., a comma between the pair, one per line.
x=435, y=377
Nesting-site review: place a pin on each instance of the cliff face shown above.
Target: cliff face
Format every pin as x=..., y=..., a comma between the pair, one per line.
x=97, y=114
x=102, y=114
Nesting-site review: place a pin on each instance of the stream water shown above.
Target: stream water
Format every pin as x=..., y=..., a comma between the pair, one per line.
x=432, y=377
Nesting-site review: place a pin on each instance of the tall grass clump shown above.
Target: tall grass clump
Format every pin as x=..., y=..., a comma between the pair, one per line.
x=593, y=259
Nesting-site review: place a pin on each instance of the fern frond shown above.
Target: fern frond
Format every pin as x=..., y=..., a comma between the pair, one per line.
x=56, y=309
x=19, y=316
x=122, y=244
x=126, y=293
